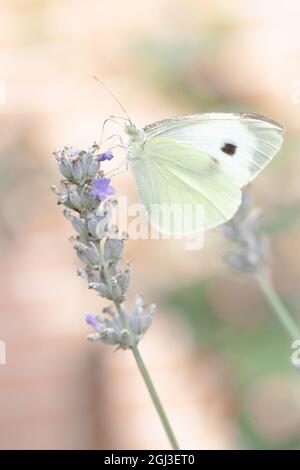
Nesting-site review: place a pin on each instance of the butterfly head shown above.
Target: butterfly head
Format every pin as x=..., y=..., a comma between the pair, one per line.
x=133, y=131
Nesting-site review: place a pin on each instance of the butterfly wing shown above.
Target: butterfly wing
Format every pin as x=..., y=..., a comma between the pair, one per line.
x=242, y=143
x=183, y=189
x=201, y=161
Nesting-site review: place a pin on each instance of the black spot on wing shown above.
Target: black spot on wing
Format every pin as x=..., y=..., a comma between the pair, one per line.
x=229, y=149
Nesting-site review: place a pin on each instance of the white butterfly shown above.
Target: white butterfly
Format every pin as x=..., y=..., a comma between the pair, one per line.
x=200, y=160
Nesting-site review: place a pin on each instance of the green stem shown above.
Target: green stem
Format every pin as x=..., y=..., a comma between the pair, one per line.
x=155, y=398
x=140, y=363
x=278, y=307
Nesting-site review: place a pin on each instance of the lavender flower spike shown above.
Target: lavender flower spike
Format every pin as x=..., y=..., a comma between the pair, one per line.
x=83, y=190
x=101, y=189
x=98, y=248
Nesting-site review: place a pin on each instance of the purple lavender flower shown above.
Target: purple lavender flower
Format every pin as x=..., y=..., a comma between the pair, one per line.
x=91, y=320
x=101, y=189
x=104, y=156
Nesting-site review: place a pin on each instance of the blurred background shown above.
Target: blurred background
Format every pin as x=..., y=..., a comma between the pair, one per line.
x=218, y=357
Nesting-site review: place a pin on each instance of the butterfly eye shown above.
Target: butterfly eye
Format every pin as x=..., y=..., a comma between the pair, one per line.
x=130, y=129
x=230, y=149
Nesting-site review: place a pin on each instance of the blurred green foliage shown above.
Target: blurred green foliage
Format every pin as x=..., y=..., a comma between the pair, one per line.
x=252, y=353
x=188, y=69
x=285, y=219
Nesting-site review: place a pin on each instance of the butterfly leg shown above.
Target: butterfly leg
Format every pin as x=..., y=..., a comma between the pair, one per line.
x=113, y=136
x=120, y=144
x=104, y=124
x=124, y=164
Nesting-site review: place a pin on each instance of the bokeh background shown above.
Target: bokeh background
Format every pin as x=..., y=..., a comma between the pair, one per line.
x=217, y=355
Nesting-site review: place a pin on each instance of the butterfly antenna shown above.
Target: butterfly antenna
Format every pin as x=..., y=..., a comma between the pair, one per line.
x=114, y=97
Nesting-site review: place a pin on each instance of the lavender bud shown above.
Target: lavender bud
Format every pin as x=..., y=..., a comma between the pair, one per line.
x=246, y=203
x=114, y=268
x=92, y=337
x=97, y=225
x=86, y=160
x=89, y=274
x=109, y=336
x=109, y=310
x=146, y=321
x=94, y=322
x=75, y=200
x=254, y=220
x=236, y=261
x=124, y=280
x=101, y=288
x=140, y=324
x=82, y=273
x=139, y=304
x=116, y=291
x=126, y=341
x=65, y=169
x=91, y=255
x=63, y=198
x=91, y=223
x=102, y=226
x=87, y=201
x=250, y=244
x=104, y=156
x=77, y=170
x=86, y=251
x=113, y=249
x=141, y=317
x=93, y=167
x=136, y=324
x=77, y=223
x=228, y=231
x=253, y=258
